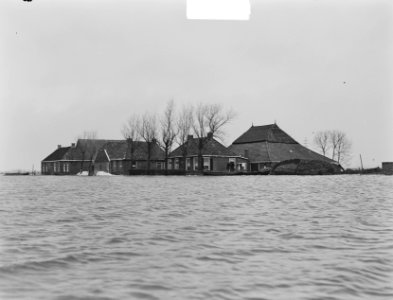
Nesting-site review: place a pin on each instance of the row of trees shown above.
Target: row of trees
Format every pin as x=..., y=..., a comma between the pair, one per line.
x=174, y=126
x=333, y=143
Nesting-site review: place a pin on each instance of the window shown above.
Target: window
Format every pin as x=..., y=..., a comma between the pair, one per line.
x=120, y=164
x=231, y=164
x=241, y=166
x=176, y=164
x=206, y=163
x=195, y=163
x=66, y=167
x=188, y=163
x=169, y=164
x=55, y=167
x=158, y=165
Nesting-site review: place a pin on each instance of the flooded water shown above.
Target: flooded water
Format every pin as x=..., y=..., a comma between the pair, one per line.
x=251, y=237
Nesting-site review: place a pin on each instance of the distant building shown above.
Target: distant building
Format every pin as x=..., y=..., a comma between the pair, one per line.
x=127, y=156
x=387, y=168
x=266, y=146
x=216, y=157
x=71, y=160
x=111, y=156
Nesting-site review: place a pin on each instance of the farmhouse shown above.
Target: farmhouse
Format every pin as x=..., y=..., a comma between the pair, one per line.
x=216, y=157
x=268, y=145
x=127, y=157
x=71, y=160
x=260, y=150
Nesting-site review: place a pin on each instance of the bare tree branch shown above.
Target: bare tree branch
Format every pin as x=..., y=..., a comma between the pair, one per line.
x=321, y=140
x=200, y=123
x=336, y=141
x=168, y=130
x=130, y=128
x=217, y=118
x=184, y=124
x=148, y=132
x=148, y=127
x=342, y=145
x=88, y=147
x=209, y=118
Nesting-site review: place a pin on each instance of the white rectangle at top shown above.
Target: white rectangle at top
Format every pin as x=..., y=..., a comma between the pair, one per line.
x=218, y=9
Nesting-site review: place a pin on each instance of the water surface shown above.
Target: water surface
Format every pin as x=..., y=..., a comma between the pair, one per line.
x=251, y=237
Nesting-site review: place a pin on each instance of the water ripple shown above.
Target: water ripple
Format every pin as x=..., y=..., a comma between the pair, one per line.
x=140, y=237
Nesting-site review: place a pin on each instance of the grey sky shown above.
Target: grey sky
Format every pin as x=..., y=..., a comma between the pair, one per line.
x=71, y=66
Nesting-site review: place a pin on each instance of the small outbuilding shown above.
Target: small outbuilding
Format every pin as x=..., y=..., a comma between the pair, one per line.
x=387, y=168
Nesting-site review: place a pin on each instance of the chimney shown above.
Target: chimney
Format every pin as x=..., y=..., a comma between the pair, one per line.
x=190, y=137
x=246, y=153
x=58, y=146
x=210, y=135
x=72, y=145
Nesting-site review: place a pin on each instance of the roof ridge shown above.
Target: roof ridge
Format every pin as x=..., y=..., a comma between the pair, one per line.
x=267, y=125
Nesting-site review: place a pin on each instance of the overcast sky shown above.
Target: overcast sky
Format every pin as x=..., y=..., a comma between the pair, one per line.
x=70, y=66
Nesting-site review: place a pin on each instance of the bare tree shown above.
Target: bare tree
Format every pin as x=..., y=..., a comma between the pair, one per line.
x=218, y=118
x=340, y=144
x=130, y=128
x=208, y=123
x=321, y=140
x=148, y=132
x=336, y=141
x=130, y=132
x=168, y=130
x=184, y=124
x=88, y=147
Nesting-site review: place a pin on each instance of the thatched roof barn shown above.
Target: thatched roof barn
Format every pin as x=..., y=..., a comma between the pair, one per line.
x=268, y=145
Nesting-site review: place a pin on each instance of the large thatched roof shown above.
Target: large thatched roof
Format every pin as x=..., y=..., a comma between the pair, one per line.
x=267, y=133
x=270, y=143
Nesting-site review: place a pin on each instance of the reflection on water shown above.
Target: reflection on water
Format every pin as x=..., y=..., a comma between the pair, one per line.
x=252, y=237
